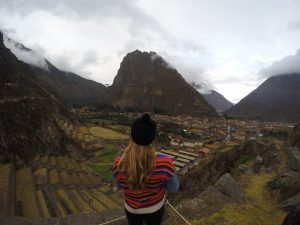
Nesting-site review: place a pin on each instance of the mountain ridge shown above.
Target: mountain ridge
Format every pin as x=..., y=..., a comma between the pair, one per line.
x=147, y=82
x=28, y=112
x=273, y=100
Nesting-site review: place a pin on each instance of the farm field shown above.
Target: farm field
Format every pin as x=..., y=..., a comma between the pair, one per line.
x=105, y=133
x=49, y=189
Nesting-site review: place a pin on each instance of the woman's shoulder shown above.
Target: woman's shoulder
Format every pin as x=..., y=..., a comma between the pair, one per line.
x=164, y=160
x=163, y=157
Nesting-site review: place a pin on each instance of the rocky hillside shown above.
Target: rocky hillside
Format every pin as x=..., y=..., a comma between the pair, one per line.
x=28, y=112
x=218, y=101
x=274, y=100
x=68, y=86
x=287, y=182
x=146, y=82
x=294, y=138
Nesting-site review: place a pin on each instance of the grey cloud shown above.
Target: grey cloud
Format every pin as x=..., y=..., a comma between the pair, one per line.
x=287, y=65
x=295, y=25
x=26, y=55
x=89, y=57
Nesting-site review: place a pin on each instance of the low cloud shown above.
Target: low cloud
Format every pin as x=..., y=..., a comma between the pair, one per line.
x=202, y=88
x=287, y=65
x=24, y=54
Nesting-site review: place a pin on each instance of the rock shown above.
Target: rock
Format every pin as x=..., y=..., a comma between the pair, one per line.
x=191, y=208
x=13, y=220
x=257, y=164
x=48, y=221
x=228, y=186
x=287, y=184
x=294, y=158
x=243, y=169
x=294, y=138
x=291, y=202
x=212, y=196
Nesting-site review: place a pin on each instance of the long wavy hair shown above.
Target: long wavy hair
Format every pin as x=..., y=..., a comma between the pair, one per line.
x=137, y=163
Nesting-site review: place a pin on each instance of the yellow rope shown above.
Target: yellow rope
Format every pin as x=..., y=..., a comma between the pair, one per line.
x=185, y=220
x=110, y=221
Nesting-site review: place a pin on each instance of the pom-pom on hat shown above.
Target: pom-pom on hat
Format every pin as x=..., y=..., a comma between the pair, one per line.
x=143, y=130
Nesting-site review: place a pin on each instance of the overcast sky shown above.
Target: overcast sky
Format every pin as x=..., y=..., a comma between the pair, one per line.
x=231, y=46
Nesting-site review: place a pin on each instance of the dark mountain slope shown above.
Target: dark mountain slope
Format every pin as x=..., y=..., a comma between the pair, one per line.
x=68, y=86
x=146, y=82
x=218, y=101
x=277, y=99
x=28, y=112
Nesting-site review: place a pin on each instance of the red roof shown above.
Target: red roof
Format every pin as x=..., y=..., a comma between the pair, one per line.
x=204, y=150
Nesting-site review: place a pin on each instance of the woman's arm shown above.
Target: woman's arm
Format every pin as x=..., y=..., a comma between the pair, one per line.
x=172, y=185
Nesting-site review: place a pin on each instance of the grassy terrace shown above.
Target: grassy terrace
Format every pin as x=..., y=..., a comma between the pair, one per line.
x=42, y=204
x=53, y=177
x=259, y=209
x=66, y=201
x=59, y=192
x=92, y=201
x=5, y=171
x=65, y=178
x=25, y=194
x=81, y=203
x=41, y=175
x=107, y=133
x=106, y=201
x=106, y=156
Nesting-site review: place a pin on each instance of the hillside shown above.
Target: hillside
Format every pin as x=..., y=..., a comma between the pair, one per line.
x=28, y=112
x=218, y=101
x=273, y=100
x=70, y=87
x=146, y=82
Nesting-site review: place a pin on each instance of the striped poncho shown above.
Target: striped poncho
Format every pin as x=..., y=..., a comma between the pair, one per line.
x=154, y=191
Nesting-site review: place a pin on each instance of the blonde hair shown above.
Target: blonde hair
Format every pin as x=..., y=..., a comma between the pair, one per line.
x=137, y=162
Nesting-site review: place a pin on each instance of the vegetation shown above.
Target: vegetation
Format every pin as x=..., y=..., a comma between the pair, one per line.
x=107, y=133
x=25, y=194
x=5, y=171
x=42, y=204
x=53, y=177
x=259, y=209
x=67, y=203
x=104, y=170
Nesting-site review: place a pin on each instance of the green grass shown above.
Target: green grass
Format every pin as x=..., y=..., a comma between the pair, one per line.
x=105, y=133
x=259, y=209
x=104, y=170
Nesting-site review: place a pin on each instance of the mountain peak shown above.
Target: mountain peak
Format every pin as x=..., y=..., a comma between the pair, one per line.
x=273, y=100
x=145, y=81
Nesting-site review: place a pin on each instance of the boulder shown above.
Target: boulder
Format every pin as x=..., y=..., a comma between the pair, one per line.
x=243, y=169
x=257, y=164
x=47, y=221
x=229, y=187
x=291, y=202
x=286, y=184
x=294, y=158
x=191, y=208
x=13, y=220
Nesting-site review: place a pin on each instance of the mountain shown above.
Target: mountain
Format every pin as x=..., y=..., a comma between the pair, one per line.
x=28, y=112
x=276, y=99
x=218, y=101
x=68, y=86
x=146, y=82
x=71, y=87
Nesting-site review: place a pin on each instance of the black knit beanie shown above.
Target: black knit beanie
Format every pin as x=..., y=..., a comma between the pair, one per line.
x=143, y=130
